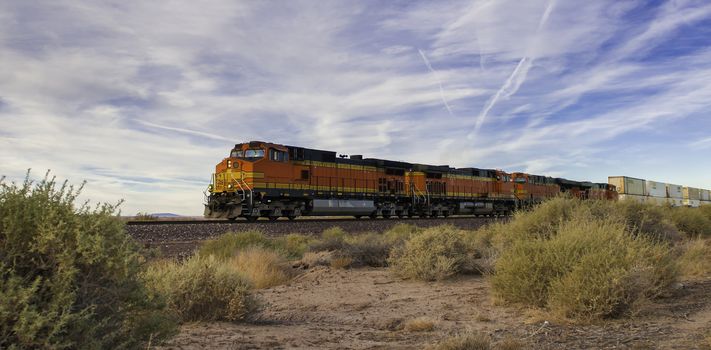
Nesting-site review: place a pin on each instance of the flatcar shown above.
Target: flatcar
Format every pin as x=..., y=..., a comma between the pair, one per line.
x=261, y=179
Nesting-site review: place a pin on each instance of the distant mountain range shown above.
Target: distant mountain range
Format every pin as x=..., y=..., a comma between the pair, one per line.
x=165, y=215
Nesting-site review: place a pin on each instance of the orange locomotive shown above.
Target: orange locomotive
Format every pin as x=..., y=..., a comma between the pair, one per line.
x=261, y=179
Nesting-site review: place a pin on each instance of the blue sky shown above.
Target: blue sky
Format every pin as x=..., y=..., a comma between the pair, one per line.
x=143, y=98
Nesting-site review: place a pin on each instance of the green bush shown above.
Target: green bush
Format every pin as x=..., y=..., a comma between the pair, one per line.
x=202, y=289
x=69, y=275
x=589, y=268
x=435, y=254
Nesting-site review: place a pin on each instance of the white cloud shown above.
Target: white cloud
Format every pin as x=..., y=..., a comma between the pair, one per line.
x=143, y=98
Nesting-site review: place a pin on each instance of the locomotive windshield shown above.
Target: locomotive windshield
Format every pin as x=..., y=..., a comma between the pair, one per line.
x=250, y=154
x=254, y=153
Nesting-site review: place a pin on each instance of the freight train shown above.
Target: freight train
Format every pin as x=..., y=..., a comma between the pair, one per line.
x=261, y=179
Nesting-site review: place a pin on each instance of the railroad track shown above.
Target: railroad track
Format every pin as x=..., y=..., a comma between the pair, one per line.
x=299, y=221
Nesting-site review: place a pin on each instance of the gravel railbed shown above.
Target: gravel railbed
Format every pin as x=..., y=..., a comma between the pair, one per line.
x=192, y=232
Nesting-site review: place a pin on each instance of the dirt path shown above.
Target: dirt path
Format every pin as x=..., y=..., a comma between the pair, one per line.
x=365, y=309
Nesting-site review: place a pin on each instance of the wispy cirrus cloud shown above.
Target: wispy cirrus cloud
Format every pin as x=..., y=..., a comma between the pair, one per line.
x=144, y=108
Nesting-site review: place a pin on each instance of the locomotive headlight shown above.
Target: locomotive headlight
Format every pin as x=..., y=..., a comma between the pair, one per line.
x=229, y=186
x=229, y=163
x=209, y=187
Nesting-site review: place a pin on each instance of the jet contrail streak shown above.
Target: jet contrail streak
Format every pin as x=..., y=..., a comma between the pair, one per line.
x=517, y=77
x=439, y=82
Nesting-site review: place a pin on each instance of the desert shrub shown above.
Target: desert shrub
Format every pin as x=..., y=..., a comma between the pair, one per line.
x=647, y=219
x=706, y=210
x=695, y=259
x=692, y=221
x=332, y=239
x=227, y=245
x=230, y=244
x=369, y=249
x=202, y=289
x=419, y=324
x=435, y=254
x=589, y=268
x=340, y=262
x=263, y=267
x=69, y=274
x=400, y=233
x=292, y=246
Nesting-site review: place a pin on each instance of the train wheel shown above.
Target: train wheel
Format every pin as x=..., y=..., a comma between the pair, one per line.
x=386, y=216
x=373, y=216
x=291, y=217
x=252, y=218
x=273, y=218
x=232, y=219
x=357, y=216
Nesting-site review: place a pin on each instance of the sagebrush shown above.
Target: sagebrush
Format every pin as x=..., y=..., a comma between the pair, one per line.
x=70, y=275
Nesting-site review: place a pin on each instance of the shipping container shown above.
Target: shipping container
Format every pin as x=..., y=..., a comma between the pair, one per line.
x=633, y=198
x=705, y=195
x=676, y=202
x=675, y=191
x=656, y=189
x=694, y=203
x=692, y=193
x=628, y=185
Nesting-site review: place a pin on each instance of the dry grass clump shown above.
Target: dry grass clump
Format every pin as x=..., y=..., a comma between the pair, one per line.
x=695, y=259
x=588, y=268
x=202, y=289
x=692, y=221
x=229, y=244
x=420, y=324
x=467, y=341
x=342, y=262
x=435, y=254
x=369, y=249
x=264, y=268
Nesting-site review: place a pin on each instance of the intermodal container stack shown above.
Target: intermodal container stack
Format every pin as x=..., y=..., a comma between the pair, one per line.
x=692, y=197
x=675, y=195
x=705, y=197
x=656, y=192
x=629, y=188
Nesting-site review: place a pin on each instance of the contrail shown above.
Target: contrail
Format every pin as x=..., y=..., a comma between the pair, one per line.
x=517, y=77
x=439, y=82
x=185, y=131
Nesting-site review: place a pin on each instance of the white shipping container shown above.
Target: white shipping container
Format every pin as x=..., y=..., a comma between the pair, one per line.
x=633, y=198
x=657, y=200
x=656, y=189
x=705, y=195
x=676, y=202
x=628, y=185
x=675, y=191
x=694, y=203
x=692, y=193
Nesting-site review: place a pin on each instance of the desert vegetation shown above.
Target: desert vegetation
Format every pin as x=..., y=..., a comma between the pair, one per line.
x=71, y=277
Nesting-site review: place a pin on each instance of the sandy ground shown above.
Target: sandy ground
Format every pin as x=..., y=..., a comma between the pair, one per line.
x=328, y=308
